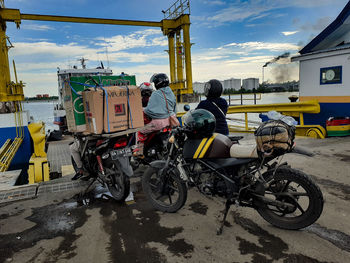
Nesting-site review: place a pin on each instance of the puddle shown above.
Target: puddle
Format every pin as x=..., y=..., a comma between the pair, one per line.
x=199, y=208
x=339, y=239
x=337, y=189
x=129, y=233
x=268, y=248
x=343, y=157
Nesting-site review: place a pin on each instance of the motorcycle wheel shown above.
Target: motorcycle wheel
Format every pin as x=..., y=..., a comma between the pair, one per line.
x=119, y=187
x=166, y=192
x=297, y=189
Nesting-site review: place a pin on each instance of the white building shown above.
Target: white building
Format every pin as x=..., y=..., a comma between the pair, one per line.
x=324, y=66
x=198, y=87
x=250, y=84
x=232, y=84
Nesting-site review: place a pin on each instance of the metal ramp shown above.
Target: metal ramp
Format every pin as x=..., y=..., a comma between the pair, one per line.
x=8, y=151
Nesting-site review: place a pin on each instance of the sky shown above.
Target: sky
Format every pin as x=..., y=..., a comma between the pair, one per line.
x=231, y=39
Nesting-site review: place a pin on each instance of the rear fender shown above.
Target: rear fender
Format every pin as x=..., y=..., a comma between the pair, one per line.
x=159, y=164
x=124, y=165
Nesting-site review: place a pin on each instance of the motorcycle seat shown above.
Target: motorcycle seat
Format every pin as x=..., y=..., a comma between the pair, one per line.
x=244, y=151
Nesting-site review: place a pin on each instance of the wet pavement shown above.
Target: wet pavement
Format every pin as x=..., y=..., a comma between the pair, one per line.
x=62, y=226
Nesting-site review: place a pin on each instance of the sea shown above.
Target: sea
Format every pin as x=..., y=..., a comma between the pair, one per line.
x=43, y=111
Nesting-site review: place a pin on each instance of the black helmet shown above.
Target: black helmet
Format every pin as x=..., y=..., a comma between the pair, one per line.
x=202, y=123
x=160, y=80
x=213, y=89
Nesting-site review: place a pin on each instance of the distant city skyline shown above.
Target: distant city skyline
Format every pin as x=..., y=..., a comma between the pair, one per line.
x=232, y=39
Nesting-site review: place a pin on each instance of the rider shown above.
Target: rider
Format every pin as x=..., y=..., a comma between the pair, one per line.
x=146, y=92
x=161, y=105
x=215, y=104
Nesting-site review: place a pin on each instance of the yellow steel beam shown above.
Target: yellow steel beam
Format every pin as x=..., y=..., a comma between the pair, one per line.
x=171, y=51
x=305, y=106
x=188, y=63
x=14, y=15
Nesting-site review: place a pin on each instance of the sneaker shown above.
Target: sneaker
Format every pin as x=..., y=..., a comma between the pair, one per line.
x=79, y=174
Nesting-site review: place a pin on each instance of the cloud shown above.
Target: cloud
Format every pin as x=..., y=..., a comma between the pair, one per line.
x=318, y=26
x=145, y=38
x=289, y=33
x=264, y=46
x=213, y=2
x=37, y=27
x=238, y=11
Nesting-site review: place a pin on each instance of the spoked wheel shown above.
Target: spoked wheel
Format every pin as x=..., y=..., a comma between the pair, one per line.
x=166, y=192
x=299, y=200
x=119, y=185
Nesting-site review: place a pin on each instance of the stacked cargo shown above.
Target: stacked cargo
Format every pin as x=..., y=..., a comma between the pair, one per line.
x=102, y=104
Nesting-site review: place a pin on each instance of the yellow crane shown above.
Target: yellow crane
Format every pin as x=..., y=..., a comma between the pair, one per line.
x=175, y=25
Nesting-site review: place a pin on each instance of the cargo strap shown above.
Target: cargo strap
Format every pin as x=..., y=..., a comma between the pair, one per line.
x=106, y=96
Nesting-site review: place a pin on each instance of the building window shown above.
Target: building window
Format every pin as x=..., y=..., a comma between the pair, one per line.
x=331, y=75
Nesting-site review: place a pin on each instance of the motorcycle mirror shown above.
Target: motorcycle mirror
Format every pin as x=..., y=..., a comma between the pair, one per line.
x=187, y=107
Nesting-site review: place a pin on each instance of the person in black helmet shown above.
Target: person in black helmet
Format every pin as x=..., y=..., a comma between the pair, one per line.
x=215, y=104
x=161, y=106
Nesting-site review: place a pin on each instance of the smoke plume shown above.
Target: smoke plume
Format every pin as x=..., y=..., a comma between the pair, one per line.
x=284, y=55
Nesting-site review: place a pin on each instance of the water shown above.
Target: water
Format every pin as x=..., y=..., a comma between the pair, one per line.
x=267, y=98
x=43, y=111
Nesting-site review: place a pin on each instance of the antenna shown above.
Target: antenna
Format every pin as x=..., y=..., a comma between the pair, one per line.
x=106, y=53
x=82, y=61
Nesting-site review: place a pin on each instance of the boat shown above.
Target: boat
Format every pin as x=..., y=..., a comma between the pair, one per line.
x=338, y=126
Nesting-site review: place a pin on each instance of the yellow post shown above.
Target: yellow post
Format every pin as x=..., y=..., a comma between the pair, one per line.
x=187, y=47
x=171, y=46
x=179, y=65
x=246, y=121
x=4, y=64
x=301, y=118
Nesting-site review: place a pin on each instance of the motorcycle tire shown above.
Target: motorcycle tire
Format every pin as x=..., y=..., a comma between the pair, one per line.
x=170, y=182
x=120, y=183
x=282, y=182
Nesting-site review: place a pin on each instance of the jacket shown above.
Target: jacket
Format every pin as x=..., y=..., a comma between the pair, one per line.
x=221, y=124
x=156, y=107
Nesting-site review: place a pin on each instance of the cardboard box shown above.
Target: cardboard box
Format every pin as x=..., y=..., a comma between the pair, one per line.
x=115, y=112
x=73, y=101
x=73, y=104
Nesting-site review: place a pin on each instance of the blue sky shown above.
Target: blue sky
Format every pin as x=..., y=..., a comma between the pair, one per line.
x=231, y=38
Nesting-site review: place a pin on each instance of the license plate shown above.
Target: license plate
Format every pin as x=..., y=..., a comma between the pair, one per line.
x=121, y=153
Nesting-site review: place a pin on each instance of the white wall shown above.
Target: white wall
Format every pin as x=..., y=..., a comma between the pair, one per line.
x=310, y=75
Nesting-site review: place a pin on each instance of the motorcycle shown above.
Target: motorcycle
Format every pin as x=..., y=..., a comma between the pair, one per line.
x=244, y=175
x=106, y=158
x=155, y=148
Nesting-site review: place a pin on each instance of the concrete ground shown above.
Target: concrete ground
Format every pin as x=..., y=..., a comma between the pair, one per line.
x=54, y=227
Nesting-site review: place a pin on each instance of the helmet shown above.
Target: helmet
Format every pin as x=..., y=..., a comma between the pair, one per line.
x=201, y=123
x=146, y=89
x=213, y=89
x=160, y=80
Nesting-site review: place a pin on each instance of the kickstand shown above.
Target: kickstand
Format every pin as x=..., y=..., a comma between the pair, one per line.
x=227, y=208
x=87, y=188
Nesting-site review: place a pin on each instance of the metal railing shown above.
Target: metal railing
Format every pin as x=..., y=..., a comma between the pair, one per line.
x=179, y=8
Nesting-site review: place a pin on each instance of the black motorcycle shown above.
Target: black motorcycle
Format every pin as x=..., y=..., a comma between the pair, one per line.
x=251, y=176
x=106, y=158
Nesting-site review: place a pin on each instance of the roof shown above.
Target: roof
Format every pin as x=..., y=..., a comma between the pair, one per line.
x=333, y=35
x=323, y=51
